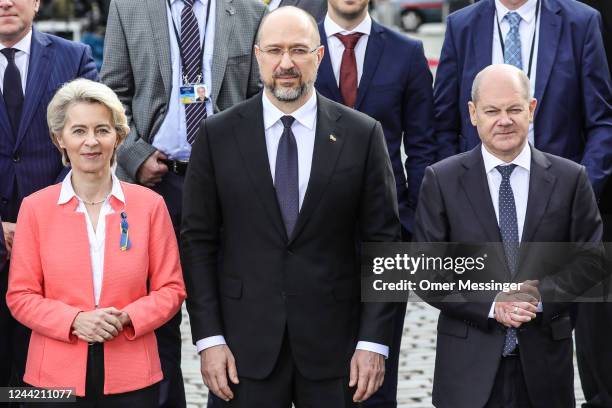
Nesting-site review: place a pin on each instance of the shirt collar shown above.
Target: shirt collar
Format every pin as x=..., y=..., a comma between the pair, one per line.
x=332, y=28
x=306, y=114
x=67, y=191
x=522, y=160
x=23, y=45
x=526, y=11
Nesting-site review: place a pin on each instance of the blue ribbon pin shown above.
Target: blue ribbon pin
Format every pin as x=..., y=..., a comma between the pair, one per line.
x=124, y=242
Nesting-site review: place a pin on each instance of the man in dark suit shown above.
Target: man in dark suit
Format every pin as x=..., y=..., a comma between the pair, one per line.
x=281, y=190
x=559, y=45
x=594, y=320
x=501, y=350
x=33, y=66
x=379, y=72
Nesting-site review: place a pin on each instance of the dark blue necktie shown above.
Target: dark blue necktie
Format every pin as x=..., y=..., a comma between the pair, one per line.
x=12, y=91
x=190, y=45
x=512, y=47
x=508, y=227
x=286, y=179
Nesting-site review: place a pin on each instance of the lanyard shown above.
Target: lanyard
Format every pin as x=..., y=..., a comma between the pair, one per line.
x=180, y=44
x=535, y=29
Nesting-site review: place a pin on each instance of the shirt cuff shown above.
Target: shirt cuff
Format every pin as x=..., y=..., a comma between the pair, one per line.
x=373, y=347
x=209, y=342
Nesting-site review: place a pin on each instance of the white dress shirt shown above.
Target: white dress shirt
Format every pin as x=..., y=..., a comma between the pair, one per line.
x=519, y=181
x=274, y=4
x=527, y=29
x=22, y=60
x=96, y=237
x=335, y=48
x=171, y=138
x=304, y=129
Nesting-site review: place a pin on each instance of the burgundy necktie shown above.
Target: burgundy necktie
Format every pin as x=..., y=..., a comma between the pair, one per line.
x=348, y=68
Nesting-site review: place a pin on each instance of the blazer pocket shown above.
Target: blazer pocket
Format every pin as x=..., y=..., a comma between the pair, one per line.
x=230, y=287
x=239, y=59
x=452, y=327
x=561, y=328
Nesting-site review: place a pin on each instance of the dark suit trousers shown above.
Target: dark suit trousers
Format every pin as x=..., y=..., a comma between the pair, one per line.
x=593, y=334
x=509, y=388
x=94, y=389
x=286, y=386
x=172, y=390
x=386, y=396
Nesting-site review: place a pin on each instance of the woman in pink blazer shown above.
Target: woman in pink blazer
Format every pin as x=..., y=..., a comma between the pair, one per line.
x=94, y=266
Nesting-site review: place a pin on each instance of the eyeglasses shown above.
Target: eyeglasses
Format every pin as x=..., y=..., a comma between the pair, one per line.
x=295, y=53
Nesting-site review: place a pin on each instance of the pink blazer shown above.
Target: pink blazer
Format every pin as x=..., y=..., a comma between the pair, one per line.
x=51, y=281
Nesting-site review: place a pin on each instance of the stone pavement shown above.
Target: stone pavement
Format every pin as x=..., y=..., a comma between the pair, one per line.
x=416, y=361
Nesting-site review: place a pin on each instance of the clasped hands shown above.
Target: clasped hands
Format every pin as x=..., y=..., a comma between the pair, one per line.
x=514, y=308
x=100, y=325
x=218, y=363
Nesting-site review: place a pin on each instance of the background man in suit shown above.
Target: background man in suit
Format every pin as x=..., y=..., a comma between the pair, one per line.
x=594, y=320
x=558, y=44
x=32, y=66
x=377, y=71
x=280, y=189
x=317, y=8
x=488, y=353
x=189, y=42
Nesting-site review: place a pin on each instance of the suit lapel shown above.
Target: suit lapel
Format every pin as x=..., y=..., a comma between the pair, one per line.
x=548, y=43
x=41, y=58
x=324, y=159
x=325, y=77
x=251, y=140
x=288, y=3
x=374, y=50
x=483, y=41
x=225, y=19
x=5, y=124
x=158, y=18
x=476, y=187
x=541, y=183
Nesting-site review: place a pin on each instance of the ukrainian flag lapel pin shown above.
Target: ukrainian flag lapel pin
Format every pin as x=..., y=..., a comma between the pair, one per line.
x=124, y=241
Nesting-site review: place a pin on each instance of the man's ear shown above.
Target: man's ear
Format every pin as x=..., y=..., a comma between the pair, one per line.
x=472, y=108
x=532, y=107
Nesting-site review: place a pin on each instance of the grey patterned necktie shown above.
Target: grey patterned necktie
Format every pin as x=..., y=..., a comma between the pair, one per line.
x=190, y=48
x=286, y=179
x=512, y=46
x=508, y=227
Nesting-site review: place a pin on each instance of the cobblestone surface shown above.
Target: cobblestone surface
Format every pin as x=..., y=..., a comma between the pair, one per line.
x=416, y=361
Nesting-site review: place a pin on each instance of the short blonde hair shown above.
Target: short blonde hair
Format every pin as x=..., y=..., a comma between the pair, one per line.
x=84, y=91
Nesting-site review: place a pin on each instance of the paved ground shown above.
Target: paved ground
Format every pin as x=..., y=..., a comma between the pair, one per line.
x=416, y=362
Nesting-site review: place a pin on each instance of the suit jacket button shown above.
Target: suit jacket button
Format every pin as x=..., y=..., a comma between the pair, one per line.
x=16, y=158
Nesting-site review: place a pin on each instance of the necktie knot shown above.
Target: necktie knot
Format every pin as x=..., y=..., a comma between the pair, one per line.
x=506, y=171
x=188, y=3
x=350, y=40
x=287, y=121
x=9, y=53
x=513, y=18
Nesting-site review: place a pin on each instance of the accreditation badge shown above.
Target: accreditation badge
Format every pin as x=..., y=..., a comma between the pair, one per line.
x=193, y=93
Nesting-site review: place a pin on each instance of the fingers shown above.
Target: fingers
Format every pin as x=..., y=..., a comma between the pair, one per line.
x=231, y=369
x=114, y=321
x=107, y=330
x=224, y=390
x=215, y=367
x=362, y=386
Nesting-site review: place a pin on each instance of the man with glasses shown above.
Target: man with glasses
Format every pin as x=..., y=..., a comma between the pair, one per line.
x=279, y=190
